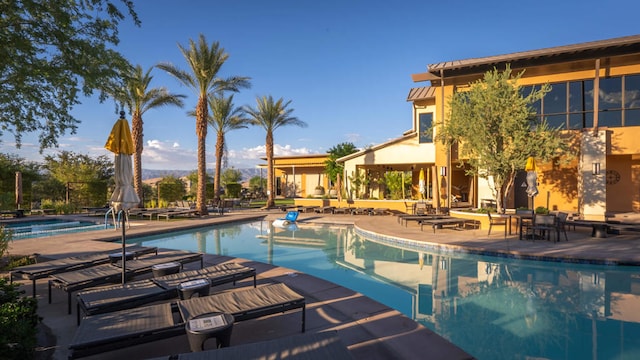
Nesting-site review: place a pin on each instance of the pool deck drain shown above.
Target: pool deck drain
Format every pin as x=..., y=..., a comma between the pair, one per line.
x=370, y=329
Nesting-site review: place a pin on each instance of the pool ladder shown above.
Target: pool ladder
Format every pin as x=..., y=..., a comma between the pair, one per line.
x=117, y=222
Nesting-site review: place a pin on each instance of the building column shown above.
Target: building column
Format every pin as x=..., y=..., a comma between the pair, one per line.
x=593, y=181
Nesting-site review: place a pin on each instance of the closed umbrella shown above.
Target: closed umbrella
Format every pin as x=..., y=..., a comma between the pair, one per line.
x=339, y=188
x=532, y=177
x=124, y=196
x=422, y=185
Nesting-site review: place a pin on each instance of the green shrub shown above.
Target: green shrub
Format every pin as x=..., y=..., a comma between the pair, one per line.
x=18, y=322
x=5, y=239
x=542, y=210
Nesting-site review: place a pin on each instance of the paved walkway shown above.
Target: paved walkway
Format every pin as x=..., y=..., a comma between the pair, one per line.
x=369, y=329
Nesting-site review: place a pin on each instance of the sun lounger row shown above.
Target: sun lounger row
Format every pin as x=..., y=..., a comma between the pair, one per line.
x=115, y=330
x=45, y=269
x=112, y=273
x=319, y=346
x=142, y=292
x=176, y=212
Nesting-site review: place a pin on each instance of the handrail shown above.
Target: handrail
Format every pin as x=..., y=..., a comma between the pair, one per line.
x=106, y=215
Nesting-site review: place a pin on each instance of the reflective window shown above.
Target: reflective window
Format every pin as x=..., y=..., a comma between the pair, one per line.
x=610, y=93
x=555, y=101
x=632, y=117
x=424, y=128
x=632, y=92
x=610, y=118
x=557, y=121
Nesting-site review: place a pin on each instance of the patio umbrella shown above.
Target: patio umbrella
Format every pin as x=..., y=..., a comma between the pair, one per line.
x=530, y=168
x=124, y=196
x=422, y=184
x=339, y=188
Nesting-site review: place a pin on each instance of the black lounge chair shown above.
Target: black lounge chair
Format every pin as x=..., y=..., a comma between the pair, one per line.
x=318, y=346
x=142, y=292
x=115, y=330
x=45, y=269
x=112, y=273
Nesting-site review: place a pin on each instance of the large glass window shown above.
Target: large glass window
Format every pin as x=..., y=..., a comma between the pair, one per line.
x=424, y=127
x=555, y=101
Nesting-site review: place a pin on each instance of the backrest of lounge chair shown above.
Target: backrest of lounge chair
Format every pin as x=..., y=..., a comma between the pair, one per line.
x=292, y=216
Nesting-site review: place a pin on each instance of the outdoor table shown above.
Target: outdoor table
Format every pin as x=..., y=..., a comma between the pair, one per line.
x=117, y=256
x=167, y=268
x=189, y=288
x=210, y=325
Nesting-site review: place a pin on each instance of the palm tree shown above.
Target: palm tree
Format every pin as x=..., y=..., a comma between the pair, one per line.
x=204, y=63
x=225, y=117
x=138, y=98
x=271, y=115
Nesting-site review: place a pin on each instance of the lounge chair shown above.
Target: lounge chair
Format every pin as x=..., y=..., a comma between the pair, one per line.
x=498, y=221
x=177, y=212
x=112, y=273
x=318, y=346
x=324, y=209
x=115, y=330
x=291, y=218
x=45, y=269
x=342, y=210
x=142, y=292
x=361, y=211
x=380, y=211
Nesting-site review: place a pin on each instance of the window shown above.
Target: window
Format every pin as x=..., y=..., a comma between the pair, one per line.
x=424, y=128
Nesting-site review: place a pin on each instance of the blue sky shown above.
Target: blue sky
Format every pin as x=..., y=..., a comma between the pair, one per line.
x=345, y=65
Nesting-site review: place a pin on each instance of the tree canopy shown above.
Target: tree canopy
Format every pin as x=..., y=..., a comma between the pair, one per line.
x=332, y=168
x=496, y=127
x=51, y=53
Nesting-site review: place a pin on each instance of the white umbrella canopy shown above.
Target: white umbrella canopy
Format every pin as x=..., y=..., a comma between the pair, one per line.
x=422, y=185
x=124, y=196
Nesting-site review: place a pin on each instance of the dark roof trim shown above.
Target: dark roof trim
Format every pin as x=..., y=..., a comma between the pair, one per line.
x=589, y=50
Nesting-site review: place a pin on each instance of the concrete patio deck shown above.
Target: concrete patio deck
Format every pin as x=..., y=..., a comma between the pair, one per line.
x=369, y=329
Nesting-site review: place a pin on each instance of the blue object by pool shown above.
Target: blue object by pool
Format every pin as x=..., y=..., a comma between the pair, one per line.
x=493, y=308
x=289, y=219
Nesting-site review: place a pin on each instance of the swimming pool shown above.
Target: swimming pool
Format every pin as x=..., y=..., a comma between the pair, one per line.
x=49, y=227
x=493, y=308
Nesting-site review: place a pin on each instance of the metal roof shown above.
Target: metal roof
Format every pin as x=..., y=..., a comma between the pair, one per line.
x=422, y=93
x=588, y=50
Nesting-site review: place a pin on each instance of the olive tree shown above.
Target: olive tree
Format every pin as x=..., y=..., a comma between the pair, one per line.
x=497, y=129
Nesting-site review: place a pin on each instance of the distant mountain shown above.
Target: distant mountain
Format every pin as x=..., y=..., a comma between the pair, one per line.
x=152, y=174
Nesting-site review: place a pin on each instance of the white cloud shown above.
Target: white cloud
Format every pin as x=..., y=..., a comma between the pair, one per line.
x=168, y=155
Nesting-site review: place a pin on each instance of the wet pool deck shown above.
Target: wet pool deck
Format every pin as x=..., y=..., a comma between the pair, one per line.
x=369, y=329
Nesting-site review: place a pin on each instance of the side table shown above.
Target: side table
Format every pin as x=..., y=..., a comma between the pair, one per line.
x=167, y=268
x=209, y=325
x=189, y=288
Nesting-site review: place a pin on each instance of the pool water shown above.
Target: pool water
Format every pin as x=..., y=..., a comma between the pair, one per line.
x=493, y=308
x=43, y=228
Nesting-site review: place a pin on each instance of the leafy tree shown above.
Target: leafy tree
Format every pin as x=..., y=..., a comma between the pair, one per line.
x=332, y=168
x=496, y=127
x=225, y=117
x=50, y=53
x=139, y=98
x=257, y=184
x=87, y=176
x=231, y=176
x=204, y=63
x=9, y=165
x=270, y=115
x=170, y=188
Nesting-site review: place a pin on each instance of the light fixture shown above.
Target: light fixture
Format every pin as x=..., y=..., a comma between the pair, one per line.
x=443, y=264
x=443, y=171
x=595, y=168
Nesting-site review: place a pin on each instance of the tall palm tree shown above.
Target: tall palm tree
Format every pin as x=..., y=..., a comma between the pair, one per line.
x=139, y=98
x=271, y=115
x=204, y=63
x=225, y=117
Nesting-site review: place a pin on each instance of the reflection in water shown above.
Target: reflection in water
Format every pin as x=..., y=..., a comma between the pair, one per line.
x=493, y=308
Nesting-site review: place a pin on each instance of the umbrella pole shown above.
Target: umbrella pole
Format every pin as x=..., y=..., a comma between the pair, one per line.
x=124, y=256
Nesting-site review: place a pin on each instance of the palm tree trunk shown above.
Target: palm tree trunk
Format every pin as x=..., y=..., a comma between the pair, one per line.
x=270, y=188
x=136, y=132
x=201, y=132
x=219, y=153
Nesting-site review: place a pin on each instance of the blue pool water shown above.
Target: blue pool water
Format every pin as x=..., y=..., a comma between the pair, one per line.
x=493, y=308
x=43, y=228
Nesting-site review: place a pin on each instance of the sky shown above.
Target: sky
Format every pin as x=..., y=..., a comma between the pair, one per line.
x=345, y=65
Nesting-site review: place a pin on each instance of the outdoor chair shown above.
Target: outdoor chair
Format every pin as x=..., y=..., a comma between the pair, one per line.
x=136, y=293
x=561, y=225
x=112, y=273
x=45, y=269
x=408, y=208
x=524, y=218
x=498, y=221
x=116, y=330
x=318, y=346
x=543, y=226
